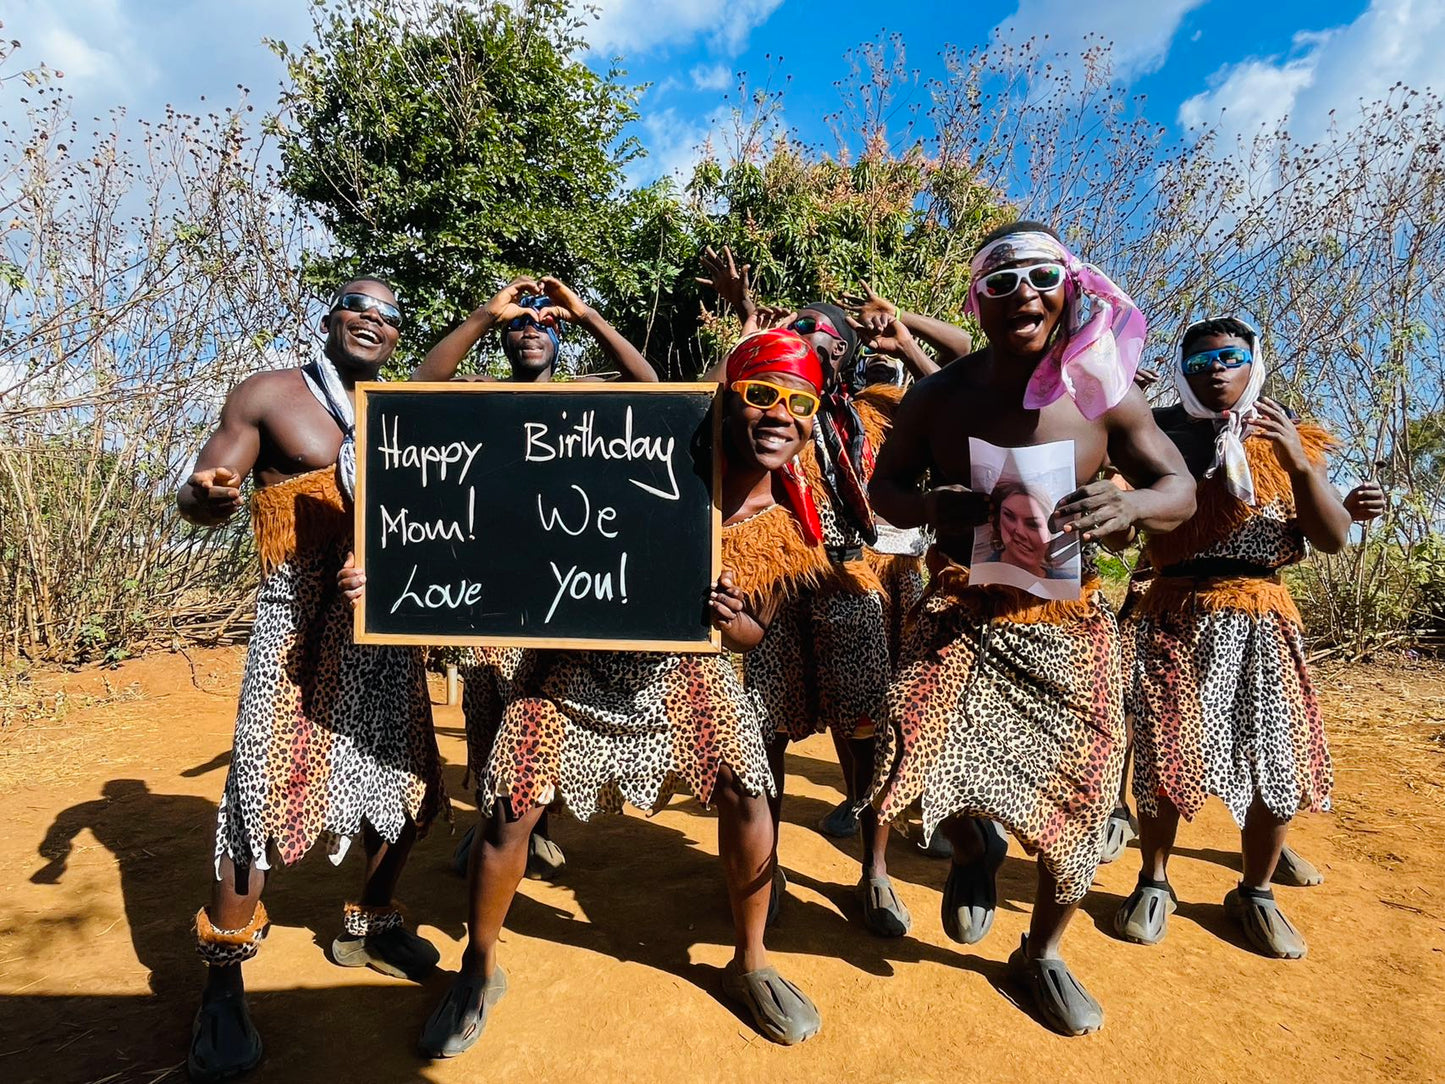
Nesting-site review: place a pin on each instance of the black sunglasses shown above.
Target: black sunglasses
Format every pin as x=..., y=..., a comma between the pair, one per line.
x=366, y=303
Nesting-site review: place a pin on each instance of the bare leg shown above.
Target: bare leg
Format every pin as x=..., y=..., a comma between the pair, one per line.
x=966, y=835
x=384, y=862
x=233, y=901
x=776, y=753
x=1049, y=920
x=746, y=839
x=874, y=832
x=1156, y=839
x=495, y=868
x=746, y=842
x=847, y=761
x=1262, y=838
x=1060, y=998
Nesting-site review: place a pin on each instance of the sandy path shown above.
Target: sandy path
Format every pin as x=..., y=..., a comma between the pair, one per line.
x=614, y=973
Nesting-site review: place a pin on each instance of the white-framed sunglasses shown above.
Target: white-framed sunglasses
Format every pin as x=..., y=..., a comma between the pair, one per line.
x=1043, y=277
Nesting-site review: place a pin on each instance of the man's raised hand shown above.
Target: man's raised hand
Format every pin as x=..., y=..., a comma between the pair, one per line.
x=503, y=307
x=885, y=334
x=1365, y=502
x=566, y=304
x=217, y=494
x=732, y=285
x=869, y=306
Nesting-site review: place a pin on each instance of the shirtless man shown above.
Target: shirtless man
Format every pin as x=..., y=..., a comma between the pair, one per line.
x=1008, y=707
x=340, y=744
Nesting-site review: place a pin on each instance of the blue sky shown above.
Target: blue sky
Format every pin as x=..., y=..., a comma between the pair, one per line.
x=1192, y=58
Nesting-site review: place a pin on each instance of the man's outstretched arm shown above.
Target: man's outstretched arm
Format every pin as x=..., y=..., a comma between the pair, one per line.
x=212, y=494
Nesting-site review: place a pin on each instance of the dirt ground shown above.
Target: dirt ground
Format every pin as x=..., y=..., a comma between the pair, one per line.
x=108, y=789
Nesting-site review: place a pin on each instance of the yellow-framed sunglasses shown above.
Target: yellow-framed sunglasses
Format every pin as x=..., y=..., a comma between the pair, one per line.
x=765, y=395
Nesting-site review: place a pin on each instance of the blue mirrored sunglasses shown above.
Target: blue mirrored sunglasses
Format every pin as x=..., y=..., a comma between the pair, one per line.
x=1231, y=357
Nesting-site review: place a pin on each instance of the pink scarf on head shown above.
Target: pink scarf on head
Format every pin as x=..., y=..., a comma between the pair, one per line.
x=1095, y=359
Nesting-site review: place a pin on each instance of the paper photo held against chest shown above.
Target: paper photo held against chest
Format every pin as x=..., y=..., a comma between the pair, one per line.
x=1019, y=545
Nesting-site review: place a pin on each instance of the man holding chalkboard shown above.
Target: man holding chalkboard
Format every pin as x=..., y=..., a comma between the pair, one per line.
x=530, y=313
x=596, y=728
x=333, y=739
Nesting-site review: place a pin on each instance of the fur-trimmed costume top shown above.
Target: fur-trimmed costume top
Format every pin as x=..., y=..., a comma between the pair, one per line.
x=876, y=406
x=301, y=513
x=1265, y=536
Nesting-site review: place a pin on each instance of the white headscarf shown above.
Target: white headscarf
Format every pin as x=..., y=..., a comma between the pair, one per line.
x=325, y=383
x=1230, y=424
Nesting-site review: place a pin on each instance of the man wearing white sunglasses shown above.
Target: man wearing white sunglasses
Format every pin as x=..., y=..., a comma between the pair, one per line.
x=1007, y=708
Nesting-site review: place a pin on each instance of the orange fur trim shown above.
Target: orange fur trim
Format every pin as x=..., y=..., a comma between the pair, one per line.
x=208, y=933
x=1247, y=594
x=768, y=555
x=1219, y=514
x=299, y=513
x=885, y=565
x=1002, y=602
x=876, y=407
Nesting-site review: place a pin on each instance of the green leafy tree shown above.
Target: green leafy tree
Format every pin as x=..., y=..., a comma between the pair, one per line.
x=447, y=144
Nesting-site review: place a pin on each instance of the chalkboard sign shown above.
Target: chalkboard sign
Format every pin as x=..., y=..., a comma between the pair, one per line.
x=541, y=515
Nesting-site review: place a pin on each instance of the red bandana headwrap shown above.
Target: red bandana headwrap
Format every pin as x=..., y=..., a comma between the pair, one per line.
x=783, y=351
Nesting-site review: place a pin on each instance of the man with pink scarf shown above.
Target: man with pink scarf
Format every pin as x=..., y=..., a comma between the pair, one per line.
x=1007, y=707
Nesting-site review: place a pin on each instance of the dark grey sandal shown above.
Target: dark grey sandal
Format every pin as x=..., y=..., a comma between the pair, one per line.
x=458, y=1021
x=1264, y=923
x=776, y=892
x=1144, y=916
x=842, y=821
x=545, y=861
x=1296, y=871
x=883, y=912
x=781, y=1011
x=224, y=1042
x=462, y=853
x=970, y=895
x=1119, y=830
x=1060, y=999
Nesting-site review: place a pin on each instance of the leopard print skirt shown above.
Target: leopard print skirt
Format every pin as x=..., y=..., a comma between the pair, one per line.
x=824, y=664
x=1015, y=716
x=329, y=733
x=595, y=730
x=1223, y=704
x=489, y=682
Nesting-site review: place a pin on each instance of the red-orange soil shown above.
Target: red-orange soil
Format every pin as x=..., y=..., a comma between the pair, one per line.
x=108, y=800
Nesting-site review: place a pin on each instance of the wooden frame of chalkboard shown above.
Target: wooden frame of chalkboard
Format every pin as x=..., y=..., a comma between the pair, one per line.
x=708, y=640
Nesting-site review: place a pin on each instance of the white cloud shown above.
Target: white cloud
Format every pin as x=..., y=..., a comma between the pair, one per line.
x=144, y=55
x=711, y=77
x=634, y=26
x=1141, y=30
x=676, y=144
x=1333, y=69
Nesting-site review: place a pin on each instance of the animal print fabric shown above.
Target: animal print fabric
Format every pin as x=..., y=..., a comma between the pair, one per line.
x=824, y=664
x=597, y=729
x=825, y=661
x=329, y=733
x=489, y=682
x=1220, y=691
x=1008, y=710
x=1223, y=704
